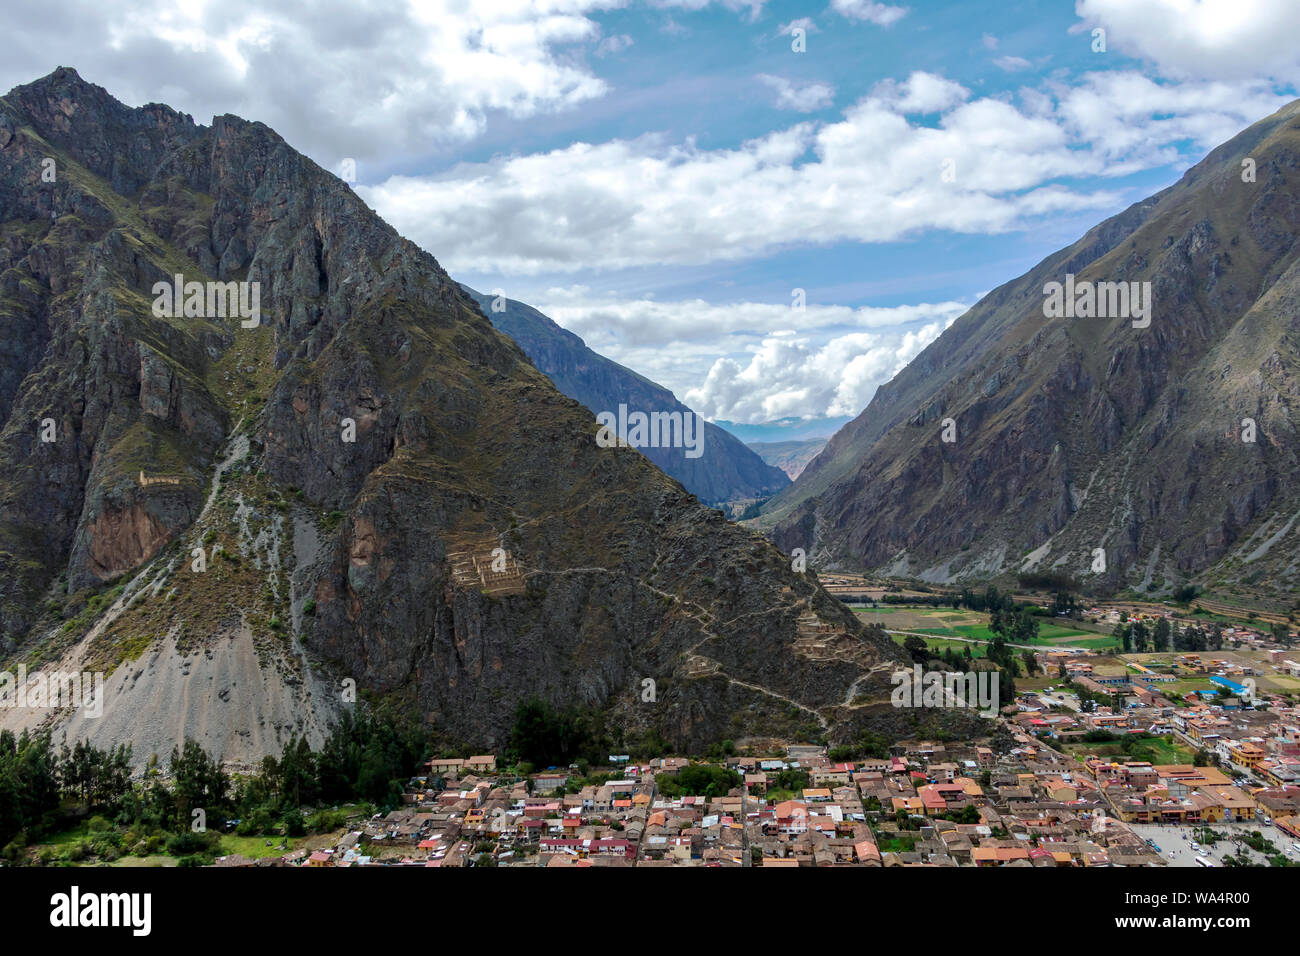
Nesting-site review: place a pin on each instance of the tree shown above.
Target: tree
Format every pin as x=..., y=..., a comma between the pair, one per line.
x=1162, y=639
x=1123, y=633
x=1031, y=662
x=200, y=783
x=1006, y=686
x=700, y=779
x=1139, y=632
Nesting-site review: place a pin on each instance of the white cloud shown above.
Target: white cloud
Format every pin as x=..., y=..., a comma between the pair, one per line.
x=1205, y=39
x=1012, y=64
x=920, y=93
x=374, y=80
x=755, y=7
x=613, y=44
x=805, y=24
x=791, y=376
x=804, y=99
x=1133, y=122
x=822, y=361
x=990, y=41
x=872, y=176
x=356, y=78
x=881, y=14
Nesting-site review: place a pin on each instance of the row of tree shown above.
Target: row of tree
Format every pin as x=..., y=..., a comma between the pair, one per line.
x=42, y=787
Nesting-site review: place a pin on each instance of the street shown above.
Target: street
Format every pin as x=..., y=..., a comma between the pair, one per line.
x=1177, y=838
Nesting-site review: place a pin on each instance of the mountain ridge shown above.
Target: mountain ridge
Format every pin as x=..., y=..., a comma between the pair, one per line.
x=1090, y=435
x=316, y=504
x=725, y=471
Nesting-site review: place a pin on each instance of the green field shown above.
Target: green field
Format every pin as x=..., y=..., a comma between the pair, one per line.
x=946, y=622
x=1156, y=750
x=254, y=847
x=155, y=860
x=940, y=644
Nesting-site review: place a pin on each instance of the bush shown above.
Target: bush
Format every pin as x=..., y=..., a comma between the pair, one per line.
x=15, y=848
x=323, y=821
x=75, y=852
x=190, y=843
x=259, y=821
x=294, y=824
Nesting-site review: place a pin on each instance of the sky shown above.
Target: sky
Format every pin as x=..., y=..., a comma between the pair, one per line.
x=768, y=207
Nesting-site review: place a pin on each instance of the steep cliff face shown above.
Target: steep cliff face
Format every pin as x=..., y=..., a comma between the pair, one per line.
x=725, y=469
x=362, y=482
x=1170, y=448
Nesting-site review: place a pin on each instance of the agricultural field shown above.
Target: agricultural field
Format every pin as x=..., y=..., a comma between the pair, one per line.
x=1279, y=683
x=974, y=625
x=1157, y=750
x=940, y=644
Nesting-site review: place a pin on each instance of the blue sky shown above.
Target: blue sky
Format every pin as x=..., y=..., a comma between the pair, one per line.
x=660, y=177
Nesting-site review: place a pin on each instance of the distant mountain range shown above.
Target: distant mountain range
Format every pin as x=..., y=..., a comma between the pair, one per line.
x=792, y=457
x=725, y=471
x=1125, y=451
x=784, y=429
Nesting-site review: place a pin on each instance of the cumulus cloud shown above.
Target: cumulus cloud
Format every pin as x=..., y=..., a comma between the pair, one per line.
x=1204, y=39
x=881, y=14
x=384, y=74
x=873, y=175
x=920, y=93
x=791, y=376
x=821, y=361
x=386, y=78
x=802, y=98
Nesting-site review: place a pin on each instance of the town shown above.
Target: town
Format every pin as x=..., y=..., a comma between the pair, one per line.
x=1140, y=760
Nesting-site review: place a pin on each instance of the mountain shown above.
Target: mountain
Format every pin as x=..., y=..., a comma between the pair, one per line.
x=784, y=429
x=246, y=503
x=725, y=470
x=1078, y=438
x=792, y=457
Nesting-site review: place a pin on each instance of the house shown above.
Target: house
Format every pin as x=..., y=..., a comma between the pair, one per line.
x=829, y=776
x=548, y=782
x=791, y=816
x=444, y=765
